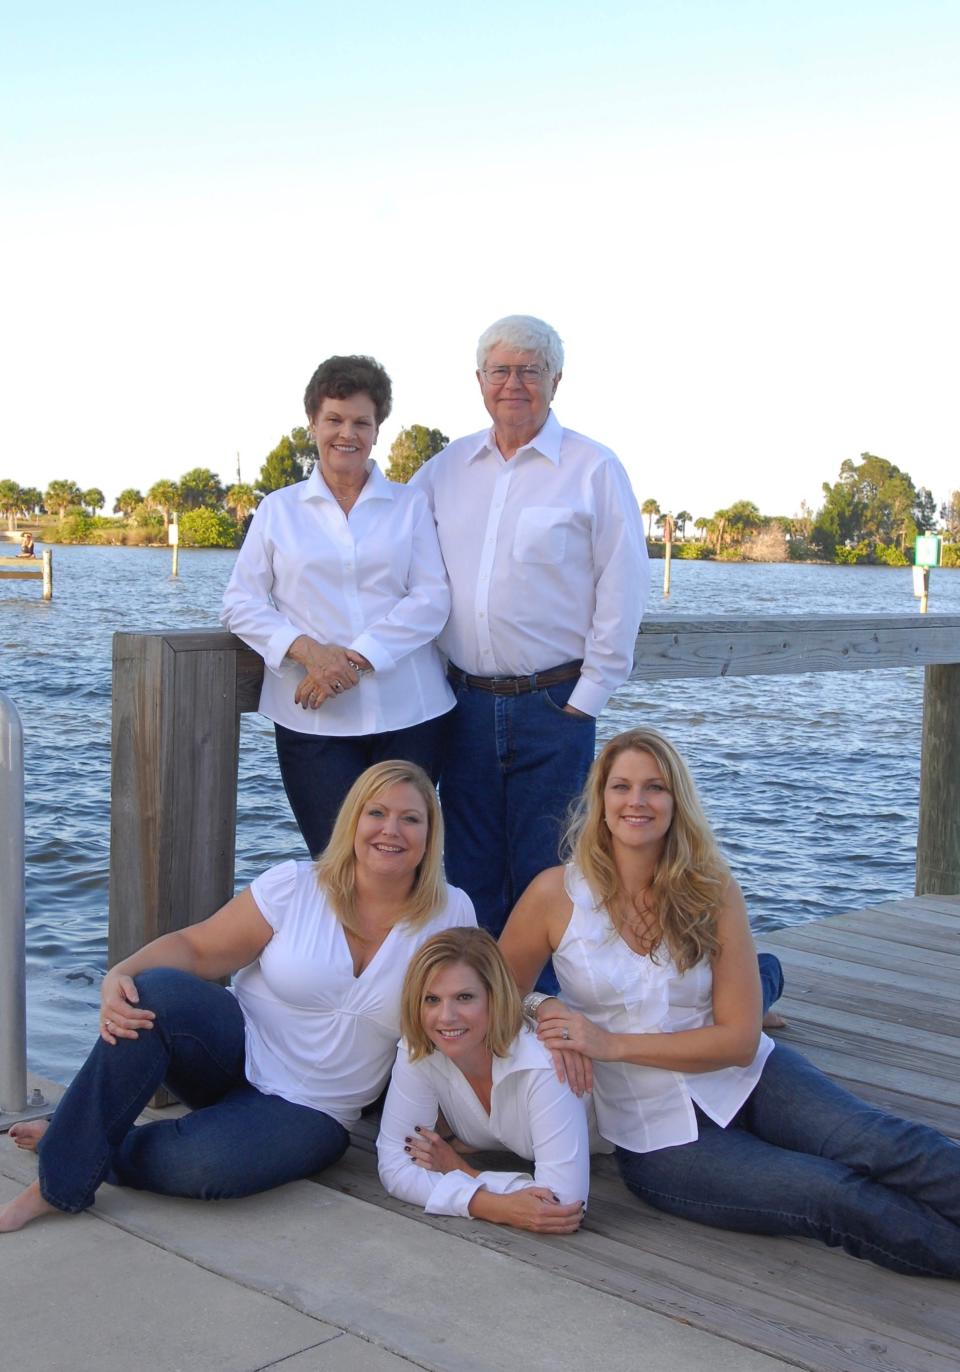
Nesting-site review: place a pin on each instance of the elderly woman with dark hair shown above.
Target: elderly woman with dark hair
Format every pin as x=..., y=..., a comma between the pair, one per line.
x=277, y=1067
x=341, y=589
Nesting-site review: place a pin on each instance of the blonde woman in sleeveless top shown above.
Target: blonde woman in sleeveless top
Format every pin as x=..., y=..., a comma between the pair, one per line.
x=660, y=1012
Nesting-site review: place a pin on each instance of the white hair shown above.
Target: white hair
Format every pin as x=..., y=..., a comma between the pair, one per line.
x=526, y=334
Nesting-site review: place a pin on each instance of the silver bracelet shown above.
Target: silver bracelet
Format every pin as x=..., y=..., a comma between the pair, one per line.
x=532, y=1001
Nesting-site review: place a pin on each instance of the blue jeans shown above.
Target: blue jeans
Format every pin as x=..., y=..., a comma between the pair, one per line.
x=318, y=771
x=237, y=1140
x=512, y=766
x=804, y=1156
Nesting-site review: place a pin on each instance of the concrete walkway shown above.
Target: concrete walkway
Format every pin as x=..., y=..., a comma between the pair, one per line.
x=306, y=1278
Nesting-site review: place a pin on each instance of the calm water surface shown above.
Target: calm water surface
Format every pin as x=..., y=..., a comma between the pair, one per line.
x=811, y=781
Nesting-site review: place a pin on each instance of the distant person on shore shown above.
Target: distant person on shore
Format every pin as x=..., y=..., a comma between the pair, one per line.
x=340, y=588
x=279, y=1066
x=660, y=1008
x=27, y=548
x=547, y=560
x=467, y=1052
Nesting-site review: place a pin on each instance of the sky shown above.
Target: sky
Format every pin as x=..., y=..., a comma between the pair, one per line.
x=742, y=217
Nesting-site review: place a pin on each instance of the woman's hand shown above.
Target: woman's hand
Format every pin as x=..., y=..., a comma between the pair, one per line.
x=535, y=1208
x=121, y=1016
x=329, y=670
x=563, y=1030
x=433, y=1153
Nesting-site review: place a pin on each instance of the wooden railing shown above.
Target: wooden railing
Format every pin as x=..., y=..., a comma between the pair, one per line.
x=178, y=697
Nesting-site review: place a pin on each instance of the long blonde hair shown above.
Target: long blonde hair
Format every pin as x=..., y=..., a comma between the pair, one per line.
x=336, y=866
x=476, y=950
x=691, y=875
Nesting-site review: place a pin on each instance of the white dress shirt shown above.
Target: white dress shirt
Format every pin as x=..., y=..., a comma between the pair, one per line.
x=643, y=1108
x=546, y=557
x=531, y=1114
x=372, y=582
x=316, y=1034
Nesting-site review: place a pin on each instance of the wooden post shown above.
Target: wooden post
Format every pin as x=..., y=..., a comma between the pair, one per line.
x=48, y=574
x=175, y=570
x=667, y=550
x=174, y=783
x=938, y=839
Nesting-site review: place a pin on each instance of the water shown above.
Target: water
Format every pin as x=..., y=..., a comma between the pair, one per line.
x=811, y=781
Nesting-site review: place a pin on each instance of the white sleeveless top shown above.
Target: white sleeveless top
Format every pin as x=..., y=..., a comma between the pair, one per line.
x=643, y=1108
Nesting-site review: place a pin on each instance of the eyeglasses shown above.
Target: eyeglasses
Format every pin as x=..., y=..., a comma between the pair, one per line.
x=498, y=375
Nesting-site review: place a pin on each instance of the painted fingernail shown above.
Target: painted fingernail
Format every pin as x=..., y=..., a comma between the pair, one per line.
x=406, y=1148
x=416, y=1129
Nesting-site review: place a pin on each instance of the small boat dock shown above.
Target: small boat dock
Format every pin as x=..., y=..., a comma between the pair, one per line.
x=335, y=1276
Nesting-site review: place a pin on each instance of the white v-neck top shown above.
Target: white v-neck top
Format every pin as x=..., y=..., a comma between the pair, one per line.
x=531, y=1114
x=624, y=992
x=316, y=1034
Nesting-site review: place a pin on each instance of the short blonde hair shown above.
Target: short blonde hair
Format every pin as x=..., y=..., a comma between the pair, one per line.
x=476, y=950
x=336, y=865
x=691, y=876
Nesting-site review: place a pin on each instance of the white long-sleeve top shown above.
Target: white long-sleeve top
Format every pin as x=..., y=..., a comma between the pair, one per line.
x=546, y=558
x=373, y=582
x=531, y=1114
x=316, y=1034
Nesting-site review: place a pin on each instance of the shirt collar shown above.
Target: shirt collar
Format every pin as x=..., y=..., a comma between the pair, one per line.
x=376, y=486
x=525, y=1052
x=547, y=442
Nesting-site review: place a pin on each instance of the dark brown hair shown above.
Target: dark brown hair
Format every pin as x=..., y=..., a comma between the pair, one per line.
x=341, y=377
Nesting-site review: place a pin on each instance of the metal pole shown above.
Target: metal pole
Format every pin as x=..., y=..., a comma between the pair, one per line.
x=13, y=998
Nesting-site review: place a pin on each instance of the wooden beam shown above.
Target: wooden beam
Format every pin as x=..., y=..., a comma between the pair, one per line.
x=938, y=838
x=174, y=785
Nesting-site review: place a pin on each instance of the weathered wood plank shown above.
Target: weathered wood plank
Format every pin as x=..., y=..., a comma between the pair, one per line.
x=892, y=928
x=870, y=951
x=174, y=785
x=938, y=840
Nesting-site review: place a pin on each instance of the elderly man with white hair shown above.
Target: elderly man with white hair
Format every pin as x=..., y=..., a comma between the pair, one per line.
x=547, y=563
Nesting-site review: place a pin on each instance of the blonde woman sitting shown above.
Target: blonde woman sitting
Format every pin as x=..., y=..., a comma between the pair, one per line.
x=278, y=1066
x=661, y=999
x=467, y=1053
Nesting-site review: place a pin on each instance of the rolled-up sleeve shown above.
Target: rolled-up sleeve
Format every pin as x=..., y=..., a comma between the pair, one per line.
x=622, y=580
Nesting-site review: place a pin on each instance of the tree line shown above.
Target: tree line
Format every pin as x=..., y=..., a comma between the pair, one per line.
x=872, y=513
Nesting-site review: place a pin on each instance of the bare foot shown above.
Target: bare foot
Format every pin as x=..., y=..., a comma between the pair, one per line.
x=774, y=1020
x=28, y=1134
x=24, y=1208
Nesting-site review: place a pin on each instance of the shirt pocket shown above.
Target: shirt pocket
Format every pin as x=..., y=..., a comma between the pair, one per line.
x=541, y=534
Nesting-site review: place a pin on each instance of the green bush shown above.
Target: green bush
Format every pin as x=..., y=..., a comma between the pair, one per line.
x=890, y=556
x=144, y=517
x=950, y=555
x=205, y=528
x=692, y=552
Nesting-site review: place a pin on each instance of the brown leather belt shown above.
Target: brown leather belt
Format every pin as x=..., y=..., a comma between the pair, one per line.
x=515, y=685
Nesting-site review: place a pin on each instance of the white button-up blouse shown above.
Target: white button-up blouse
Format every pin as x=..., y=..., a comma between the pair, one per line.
x=316, y=1034
x=373, y=581
x=531, y=1114
x=624, y=992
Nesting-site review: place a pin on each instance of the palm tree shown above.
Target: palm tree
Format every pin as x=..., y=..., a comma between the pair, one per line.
x=60, y=495
x=94, y=499
x=683, y=518
x=164, y=496
x=242, y=500
x=127, y=501
x=650, y=508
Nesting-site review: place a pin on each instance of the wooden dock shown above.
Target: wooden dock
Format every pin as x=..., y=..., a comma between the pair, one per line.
x=873, y=997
